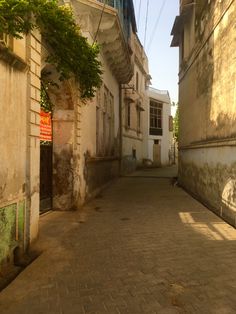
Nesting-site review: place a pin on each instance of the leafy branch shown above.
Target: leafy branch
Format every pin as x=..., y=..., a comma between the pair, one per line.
x=71, y=52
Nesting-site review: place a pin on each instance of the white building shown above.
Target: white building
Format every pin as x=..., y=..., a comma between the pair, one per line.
x=160, y=126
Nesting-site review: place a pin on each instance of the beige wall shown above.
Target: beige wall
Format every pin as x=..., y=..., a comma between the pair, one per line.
x=134, y=93
x=19, y=142
x=208, y=110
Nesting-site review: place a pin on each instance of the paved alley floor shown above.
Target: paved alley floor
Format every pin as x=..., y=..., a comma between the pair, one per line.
x=142, y=246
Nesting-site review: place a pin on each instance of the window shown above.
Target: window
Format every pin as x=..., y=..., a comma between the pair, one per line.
x=155, y=118
x=111, y=125
x=137, y=82
x=6, y=40
x=128, y=115
x=104, y=122
x=97, y=130
x=138, y=119
x=98, y=121
x=105, y=138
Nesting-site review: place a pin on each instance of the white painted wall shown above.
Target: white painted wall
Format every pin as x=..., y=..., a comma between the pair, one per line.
x=166, y=138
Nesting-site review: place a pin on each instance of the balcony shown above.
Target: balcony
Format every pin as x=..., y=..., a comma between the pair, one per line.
x=126, y=14
x=159, y=95
x=112, y=35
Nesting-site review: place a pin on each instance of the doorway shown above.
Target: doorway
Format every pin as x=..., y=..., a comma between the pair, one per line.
x=157, y=153
x=46, y=152
x=45, y=177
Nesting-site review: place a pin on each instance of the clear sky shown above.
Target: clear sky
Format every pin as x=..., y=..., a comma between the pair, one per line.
x=163, y=60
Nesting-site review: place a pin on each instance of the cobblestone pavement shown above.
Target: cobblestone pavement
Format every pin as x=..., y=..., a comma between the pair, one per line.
x=142, y=246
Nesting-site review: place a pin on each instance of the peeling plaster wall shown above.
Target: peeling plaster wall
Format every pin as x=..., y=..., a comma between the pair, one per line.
x=63, y=170
x=20, y=67
x=94, y=176
x=207, y=97
x=66, y=142
x=13, y=147
x=210, y=174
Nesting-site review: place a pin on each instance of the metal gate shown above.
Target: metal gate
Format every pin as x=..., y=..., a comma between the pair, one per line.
x=45, y=177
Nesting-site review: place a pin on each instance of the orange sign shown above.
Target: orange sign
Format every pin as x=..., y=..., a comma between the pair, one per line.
x=45, y=126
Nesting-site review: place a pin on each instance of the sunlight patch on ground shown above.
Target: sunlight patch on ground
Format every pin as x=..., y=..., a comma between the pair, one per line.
x=218, y=231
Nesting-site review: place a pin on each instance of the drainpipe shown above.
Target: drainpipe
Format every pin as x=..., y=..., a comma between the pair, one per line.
x=121, y=130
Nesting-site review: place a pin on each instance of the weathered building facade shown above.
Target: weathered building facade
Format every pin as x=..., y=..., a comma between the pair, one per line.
x=205, y=34
x=85, y=153
x=20, y=67
x=112, y=26
x=135, y=111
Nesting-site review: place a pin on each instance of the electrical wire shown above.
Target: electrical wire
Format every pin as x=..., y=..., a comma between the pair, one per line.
x=156, y=23
x=100, y=20
x=139, y=11
x=146, y=20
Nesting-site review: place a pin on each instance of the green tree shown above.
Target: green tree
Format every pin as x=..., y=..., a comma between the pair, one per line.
x=70, y=51
x=176, y=123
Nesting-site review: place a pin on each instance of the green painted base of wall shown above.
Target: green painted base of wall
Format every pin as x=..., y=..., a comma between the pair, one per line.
x=12, y=228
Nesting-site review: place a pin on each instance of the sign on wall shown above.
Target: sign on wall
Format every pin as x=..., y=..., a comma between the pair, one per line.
x=45, y=126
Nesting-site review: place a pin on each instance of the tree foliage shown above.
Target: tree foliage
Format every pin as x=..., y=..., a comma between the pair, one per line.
x=176, y=124
x=70, y=51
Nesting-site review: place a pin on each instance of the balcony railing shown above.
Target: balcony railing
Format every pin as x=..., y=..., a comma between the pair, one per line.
x=159, y=91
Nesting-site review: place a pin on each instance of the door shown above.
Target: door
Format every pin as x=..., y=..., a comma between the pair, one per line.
x=157, y=154
x=45, y=177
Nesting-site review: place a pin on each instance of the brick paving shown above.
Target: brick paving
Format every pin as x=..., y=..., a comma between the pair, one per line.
x=142, y=246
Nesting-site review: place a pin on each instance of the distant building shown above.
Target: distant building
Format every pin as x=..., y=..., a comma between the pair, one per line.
x=160, y=127
x=135, y=111
x=205, y=34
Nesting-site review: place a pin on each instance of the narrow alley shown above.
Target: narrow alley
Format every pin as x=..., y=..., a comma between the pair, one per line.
x=142, y=246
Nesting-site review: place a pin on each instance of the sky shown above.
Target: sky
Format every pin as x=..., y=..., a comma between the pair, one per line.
x=163, y=60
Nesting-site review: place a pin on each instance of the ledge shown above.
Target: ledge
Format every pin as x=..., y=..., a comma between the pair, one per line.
x=137, y=138
x=12, y=59
x=101, y=159
x=210, y=144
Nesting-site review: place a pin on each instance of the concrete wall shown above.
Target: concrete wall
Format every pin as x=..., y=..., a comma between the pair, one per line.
x=208, y=110
x=19, y=145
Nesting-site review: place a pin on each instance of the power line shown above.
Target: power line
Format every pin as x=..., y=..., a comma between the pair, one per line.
x=156, y=23
x=99, y=23
x=145, y=34
x=139, y=11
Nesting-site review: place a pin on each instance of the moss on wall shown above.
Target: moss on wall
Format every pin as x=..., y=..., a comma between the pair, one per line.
x=212, y=184
x=7, y=232
x=21, y=221
x=12, y=219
